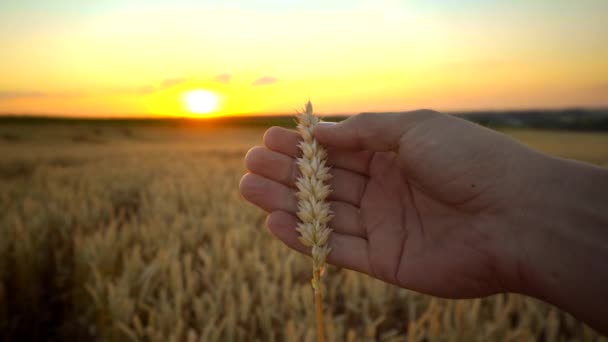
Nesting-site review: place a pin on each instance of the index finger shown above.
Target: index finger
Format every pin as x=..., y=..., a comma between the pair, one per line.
x=286, y=141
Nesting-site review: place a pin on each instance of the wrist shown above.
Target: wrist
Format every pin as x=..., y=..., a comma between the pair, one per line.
x=560, y=207
x=519, y=219
x=559, y=229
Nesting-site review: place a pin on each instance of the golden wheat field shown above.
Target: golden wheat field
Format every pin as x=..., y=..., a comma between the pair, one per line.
x=138, y=233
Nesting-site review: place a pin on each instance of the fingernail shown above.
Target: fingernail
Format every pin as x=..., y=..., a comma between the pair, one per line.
x=326, y=124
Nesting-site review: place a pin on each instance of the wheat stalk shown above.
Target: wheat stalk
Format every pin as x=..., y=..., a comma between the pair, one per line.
x=313, y=209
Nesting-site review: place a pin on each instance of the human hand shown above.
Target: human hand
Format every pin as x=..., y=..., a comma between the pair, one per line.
x=418, y=198
x=436, y=204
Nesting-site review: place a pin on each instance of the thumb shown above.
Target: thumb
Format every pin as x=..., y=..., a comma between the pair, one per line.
x=370, y=131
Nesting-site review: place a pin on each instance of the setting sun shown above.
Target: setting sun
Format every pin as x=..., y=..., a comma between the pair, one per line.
x=201, y=101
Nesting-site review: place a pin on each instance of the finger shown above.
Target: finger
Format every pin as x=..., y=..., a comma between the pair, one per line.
x=282, y=140
x=273, y=165
x=267, y=194
x=286, y=141
x=346, y=250
x=346, y=186
x=369, y=131
x=272, y=196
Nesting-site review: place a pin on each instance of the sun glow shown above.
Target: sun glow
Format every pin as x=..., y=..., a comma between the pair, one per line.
x=201, y=101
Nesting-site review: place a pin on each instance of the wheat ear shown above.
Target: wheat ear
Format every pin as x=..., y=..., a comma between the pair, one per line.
x=313, y=209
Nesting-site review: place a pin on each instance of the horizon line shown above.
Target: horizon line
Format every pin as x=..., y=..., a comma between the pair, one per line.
x=277, y=114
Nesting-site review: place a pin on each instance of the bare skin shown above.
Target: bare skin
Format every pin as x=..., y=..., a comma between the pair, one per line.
x=439, y=205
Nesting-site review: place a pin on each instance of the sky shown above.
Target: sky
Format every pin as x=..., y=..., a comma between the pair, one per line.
x=140, y=58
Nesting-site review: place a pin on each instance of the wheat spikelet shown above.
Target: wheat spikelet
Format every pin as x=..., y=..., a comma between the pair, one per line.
x=313, y=209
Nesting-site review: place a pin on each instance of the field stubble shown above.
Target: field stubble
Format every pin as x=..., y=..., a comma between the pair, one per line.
x=131, y=233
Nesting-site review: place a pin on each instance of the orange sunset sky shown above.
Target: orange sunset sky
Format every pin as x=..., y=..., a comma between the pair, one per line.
x=144, y=58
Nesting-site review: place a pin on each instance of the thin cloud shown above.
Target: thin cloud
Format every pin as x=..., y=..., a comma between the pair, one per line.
x=11, y=95
x=223, y=78
x=143, y=90
x=265, y=80
x=171, y=82
x=34, y=94
x=150, y=89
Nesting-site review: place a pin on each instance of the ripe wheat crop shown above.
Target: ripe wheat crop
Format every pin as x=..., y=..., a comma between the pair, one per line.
x=144, y=237
x=313, y=209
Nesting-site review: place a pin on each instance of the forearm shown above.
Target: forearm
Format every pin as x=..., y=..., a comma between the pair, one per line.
x=563, y=238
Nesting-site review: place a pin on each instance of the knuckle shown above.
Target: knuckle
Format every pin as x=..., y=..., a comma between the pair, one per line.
x=362, y=123
x=425, y=111
x=252, y=156
x=270, y=135
x=423, y=114
x=363, y=118
x=246, y=184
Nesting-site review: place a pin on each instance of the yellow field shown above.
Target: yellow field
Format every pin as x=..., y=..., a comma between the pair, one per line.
x=139, y=233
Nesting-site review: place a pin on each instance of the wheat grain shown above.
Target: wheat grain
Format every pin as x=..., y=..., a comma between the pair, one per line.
x=313, y=209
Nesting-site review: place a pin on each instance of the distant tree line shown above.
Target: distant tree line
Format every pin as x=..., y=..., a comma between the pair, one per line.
x=566, y=119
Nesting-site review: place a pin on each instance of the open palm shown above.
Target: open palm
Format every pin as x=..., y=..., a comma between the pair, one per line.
x=412, y=207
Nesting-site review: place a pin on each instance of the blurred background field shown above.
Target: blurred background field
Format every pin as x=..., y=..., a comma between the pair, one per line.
x=135, y=231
